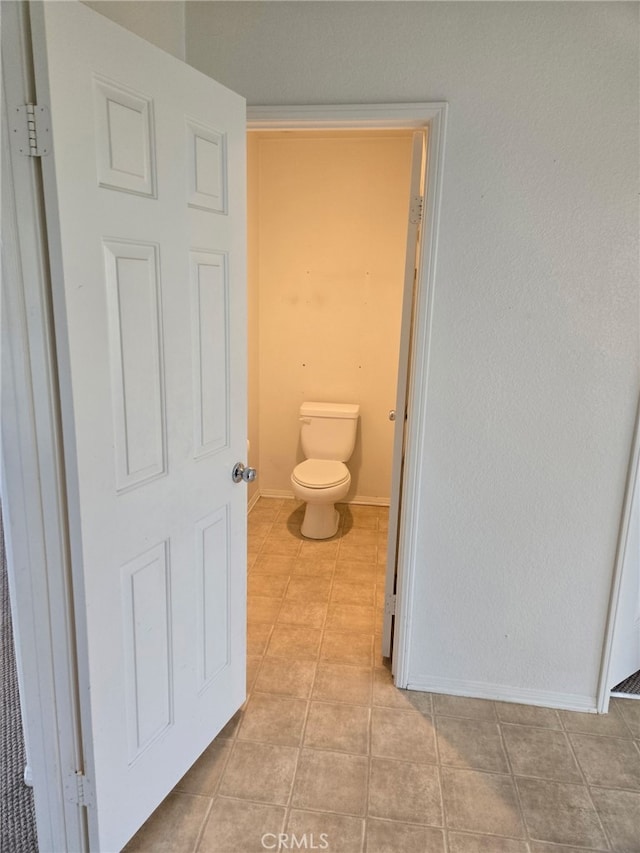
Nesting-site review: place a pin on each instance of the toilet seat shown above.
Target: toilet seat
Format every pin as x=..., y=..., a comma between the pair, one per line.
x=320, y=473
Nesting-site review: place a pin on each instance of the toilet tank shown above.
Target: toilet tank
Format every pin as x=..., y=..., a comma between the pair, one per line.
x=328, y=430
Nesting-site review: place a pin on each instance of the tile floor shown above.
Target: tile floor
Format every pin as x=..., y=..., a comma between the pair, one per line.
x=326, y=749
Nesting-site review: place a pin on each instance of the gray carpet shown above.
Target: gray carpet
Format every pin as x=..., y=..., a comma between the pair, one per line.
x=629, y=685
x=17, y=813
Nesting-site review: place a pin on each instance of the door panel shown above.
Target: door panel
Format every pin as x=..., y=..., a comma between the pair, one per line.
x=145, y=200
x=413, y=230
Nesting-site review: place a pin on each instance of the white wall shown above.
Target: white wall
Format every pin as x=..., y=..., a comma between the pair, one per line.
x=534, y=346
x=159, y=21
x=332, y=225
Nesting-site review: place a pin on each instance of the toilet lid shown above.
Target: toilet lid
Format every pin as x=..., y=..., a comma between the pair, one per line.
x=320, y=473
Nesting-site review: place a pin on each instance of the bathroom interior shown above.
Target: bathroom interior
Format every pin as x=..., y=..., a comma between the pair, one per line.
x=327, y=225
x=327, y=231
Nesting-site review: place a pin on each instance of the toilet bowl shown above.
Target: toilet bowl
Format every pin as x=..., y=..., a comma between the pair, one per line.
x=327, y=436
x=320, y=483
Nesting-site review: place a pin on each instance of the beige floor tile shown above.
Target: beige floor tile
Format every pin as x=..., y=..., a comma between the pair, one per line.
x=544, y=847
x=353, y=592
x=351, y=617
x=309, y=589
x=474, y=744
x=463, y=706
x=528, y=715
x=259, y=528
x=255, y=541
x=331, y=781
x=608, y=762
x=361, y=517
x=360, y=535
x=406, y=792
x=291, y=510
x=337, y=726
x=379, y=660
x=560, y=813
x=386, y=694
x=422, y=702
x=389, y=836
x=235, y=826
x=484, y=803
x=322, y=549
x=285, y=531
x=279, y=546
x=630, y=710
x=230, y=730
x=339, y=683
x=358, y=552
x=608, y=725
x=314, y=568
x=266, y=586
x=354, y=649
x=174, y=826
x=286, y=677
x=294, y=642
x=356, y=572
x=273, y=719
x=253, y=665
x=259, y=771
x=203, y=777
x=264, y=505
x=332, y=833
x=257, y=638
x=274, y=564
x=463, y=843
x=262, y=609
x=300, y=612
x=405, y=735
x=619, y=812
x=540, y=752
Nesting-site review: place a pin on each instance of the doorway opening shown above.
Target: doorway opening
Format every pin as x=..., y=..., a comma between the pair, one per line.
x=315, y=314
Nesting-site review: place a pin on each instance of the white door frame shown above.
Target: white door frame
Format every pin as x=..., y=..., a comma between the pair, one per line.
x=433, y=117
x=621, y=566
x=33, y=491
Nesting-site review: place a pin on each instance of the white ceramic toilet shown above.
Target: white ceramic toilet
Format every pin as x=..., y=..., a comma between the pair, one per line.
x=328, y=436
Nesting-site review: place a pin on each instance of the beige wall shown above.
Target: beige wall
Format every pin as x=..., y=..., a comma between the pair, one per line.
x=332, y=221
x=253, y=328
x=162, y=22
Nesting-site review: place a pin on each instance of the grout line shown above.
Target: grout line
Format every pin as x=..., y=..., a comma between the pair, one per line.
x=605, y=834
x=513, y=779
x=445, y=827
x=196, y=843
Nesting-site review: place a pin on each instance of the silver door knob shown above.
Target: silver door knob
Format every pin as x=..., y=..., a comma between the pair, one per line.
x=241, y=472
x=392, y=415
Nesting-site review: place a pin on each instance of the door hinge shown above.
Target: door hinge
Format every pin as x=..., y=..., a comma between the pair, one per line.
x=390, y=605
x=30, y=130
x=79, y=790
x=415, y=210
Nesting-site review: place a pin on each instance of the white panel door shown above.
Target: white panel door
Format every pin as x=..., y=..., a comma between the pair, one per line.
x=145, y=200
x=404, y=367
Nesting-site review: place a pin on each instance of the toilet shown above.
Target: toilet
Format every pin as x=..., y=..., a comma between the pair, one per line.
x=328, y=436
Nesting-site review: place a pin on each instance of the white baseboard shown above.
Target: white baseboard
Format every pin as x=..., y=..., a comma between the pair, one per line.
x=252, y=502
x=625, y=696
x=358, y=499
x=503, y=693
x=28, y=776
